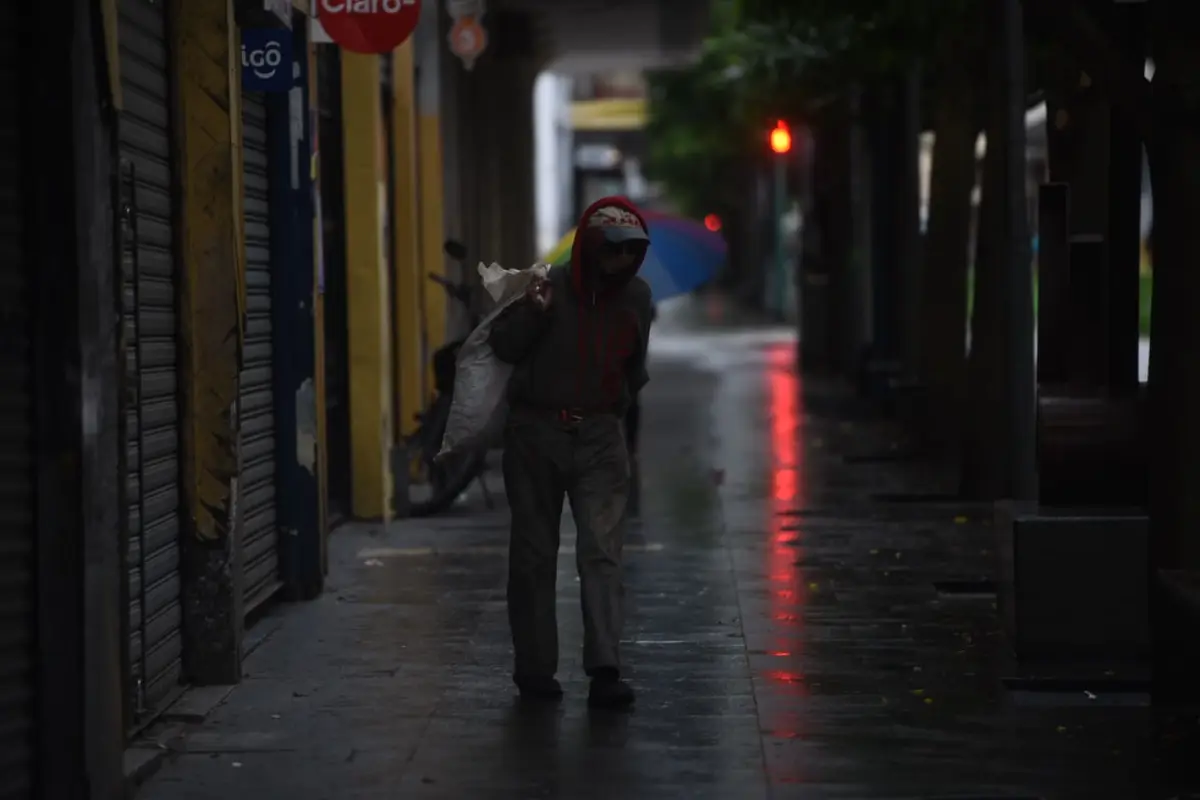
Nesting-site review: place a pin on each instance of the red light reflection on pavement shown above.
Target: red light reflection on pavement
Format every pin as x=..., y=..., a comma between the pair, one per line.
x=787, y=494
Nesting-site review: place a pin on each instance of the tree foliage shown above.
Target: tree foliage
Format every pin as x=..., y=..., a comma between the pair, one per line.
x=697, y=130
x=780, y=59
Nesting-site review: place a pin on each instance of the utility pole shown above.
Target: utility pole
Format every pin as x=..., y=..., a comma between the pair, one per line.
x=781, y=145
x=1018, y=280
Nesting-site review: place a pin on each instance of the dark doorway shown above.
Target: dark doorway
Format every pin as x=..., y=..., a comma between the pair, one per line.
x=387, y=101
x=333, y=281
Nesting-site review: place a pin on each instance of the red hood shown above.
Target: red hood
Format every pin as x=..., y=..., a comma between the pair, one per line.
x=582, y=232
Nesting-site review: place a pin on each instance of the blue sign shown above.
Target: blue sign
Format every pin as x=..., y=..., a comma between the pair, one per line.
x=267, y=60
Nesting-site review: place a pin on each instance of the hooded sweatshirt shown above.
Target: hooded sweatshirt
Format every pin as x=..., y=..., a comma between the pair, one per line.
x=587, y=351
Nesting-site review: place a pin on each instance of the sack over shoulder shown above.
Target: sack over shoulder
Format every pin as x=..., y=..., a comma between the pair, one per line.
x=478, y=408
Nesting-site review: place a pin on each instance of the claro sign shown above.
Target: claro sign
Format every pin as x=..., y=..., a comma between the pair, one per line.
x=369, y=26
x=366, y=6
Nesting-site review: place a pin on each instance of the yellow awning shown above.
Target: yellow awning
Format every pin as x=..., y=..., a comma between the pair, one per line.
x=609, y=114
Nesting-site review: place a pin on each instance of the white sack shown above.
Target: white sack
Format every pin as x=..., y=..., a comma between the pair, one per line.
x=481, y=379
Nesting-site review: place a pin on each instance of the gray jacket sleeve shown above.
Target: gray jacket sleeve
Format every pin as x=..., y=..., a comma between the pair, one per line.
x=636, y=373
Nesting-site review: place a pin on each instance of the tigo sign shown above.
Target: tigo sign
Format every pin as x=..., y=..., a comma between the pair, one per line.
x=266, y=59
x=369, y=26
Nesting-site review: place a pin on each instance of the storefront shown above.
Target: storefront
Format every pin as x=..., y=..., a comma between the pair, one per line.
x=256, y=412
x=332, y=282
x=150, y=275
x=17, y=568
x=281, y=544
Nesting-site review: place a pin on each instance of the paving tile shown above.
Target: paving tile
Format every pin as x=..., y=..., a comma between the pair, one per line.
x=784, y=634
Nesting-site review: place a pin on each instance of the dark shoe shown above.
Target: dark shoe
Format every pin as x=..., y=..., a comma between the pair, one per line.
x=609, y=691
x=538, y=687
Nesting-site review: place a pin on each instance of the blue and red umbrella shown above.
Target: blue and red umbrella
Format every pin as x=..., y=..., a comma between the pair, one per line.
x=683, y=254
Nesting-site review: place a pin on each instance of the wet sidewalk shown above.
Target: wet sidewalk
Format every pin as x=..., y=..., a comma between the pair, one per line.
x=795, y=631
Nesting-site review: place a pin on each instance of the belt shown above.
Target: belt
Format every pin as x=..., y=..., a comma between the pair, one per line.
x=568, y=415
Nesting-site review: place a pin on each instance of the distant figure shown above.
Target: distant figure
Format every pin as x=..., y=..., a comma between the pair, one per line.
x=578, y=342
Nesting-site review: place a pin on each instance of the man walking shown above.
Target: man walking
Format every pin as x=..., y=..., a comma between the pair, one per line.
x=578, y=342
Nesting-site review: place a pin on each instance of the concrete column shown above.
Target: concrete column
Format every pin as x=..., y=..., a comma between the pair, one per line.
x=500, y=145
x=431, y=180
x=546, y=191
x=908, y=219
x=1128, y=25
x=566, y=157
x=883, y=134
x=492, y=96
x=65, y=328
x=367, y=288
x=461, y=127
x=444, y=96
x=553, y=158
x=859, y=287
x=517, y=211
x=206, y=68
x=1078, y=139
x=467, y=127
x=490, y=147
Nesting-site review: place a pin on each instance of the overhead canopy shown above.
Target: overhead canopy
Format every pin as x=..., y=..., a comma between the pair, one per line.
x=609, y=114
x=603, y=35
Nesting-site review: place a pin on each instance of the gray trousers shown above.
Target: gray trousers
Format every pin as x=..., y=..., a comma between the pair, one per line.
x=546, y=459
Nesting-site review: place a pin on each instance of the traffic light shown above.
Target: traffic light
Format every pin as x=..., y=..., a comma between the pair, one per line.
x=781, y=138
x=712, y=222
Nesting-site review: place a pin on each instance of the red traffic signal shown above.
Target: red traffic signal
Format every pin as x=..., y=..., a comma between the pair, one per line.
x=712, y=222
x=781, y=138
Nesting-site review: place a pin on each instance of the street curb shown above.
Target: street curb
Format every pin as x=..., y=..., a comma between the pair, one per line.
x=141, y=763
x=147, y=755
x=197, y=703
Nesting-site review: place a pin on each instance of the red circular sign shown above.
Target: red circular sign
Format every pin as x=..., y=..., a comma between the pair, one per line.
x=369, y=26
x=468, y=39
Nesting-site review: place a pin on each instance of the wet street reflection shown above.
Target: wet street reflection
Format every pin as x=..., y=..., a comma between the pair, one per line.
x=784, y=633
x=786, y=548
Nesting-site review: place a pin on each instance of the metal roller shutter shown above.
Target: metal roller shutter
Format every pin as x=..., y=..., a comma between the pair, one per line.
x=260, y=540
x=16, y=447
x=152, y=407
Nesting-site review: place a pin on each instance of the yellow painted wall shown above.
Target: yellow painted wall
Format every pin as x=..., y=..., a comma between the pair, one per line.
x=208, y=138
x=112, y=48
x=367, y=289
x=406, y=231
x=211, y=251
x=433, y=231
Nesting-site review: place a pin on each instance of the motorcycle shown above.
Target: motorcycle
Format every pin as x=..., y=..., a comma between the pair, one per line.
x=434, y=484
